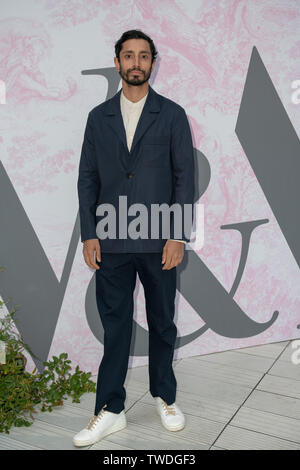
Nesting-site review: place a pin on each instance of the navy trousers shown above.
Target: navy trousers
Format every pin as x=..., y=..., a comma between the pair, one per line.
x=115, y=284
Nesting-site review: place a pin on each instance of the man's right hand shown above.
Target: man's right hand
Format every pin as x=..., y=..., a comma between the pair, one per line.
x=89, y=248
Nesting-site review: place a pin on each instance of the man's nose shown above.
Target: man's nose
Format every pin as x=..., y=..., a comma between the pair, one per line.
x=136, y=62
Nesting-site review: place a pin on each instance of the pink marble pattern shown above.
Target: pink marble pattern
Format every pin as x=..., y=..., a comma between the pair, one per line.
x=204, y=52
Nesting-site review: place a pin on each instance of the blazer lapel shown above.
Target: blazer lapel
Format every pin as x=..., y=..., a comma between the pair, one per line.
x=148, y=115
x=114, y=118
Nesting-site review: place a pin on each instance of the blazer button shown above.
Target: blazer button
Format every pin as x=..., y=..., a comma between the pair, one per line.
x=129, y=175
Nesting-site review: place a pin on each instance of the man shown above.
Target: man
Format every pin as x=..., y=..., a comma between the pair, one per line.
x=137, y=145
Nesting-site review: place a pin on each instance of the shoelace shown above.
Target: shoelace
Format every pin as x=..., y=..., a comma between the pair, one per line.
x=95, y=419
x=170, y=409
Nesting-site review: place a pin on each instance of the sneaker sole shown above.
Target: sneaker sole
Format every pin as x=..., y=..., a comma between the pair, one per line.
x=170, y=428
x=115, y=428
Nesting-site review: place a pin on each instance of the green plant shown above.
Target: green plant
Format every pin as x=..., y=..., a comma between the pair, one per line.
x=21, y=391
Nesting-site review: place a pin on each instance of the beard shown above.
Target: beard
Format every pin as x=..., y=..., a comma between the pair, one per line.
x=135, y=80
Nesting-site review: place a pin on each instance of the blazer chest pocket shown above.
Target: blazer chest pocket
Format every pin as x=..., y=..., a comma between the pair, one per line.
x=155, y=150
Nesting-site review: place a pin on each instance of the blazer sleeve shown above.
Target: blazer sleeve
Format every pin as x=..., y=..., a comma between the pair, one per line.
x=182, y=157
x=88, y=185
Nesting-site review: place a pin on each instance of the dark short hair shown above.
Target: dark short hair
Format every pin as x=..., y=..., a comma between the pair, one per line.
x=134, y=34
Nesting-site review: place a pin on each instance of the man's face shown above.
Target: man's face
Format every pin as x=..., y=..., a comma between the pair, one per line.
x=135, y=62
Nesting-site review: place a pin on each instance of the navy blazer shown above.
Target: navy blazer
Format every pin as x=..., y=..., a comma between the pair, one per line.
x=158, y=169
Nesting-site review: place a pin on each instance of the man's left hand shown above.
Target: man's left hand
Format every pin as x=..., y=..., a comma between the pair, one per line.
x=172, y=254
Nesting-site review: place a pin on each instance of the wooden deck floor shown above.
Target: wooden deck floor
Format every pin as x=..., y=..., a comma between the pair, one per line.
x=240, y=399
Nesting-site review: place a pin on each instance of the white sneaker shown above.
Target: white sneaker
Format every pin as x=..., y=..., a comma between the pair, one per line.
x=171, y=416
x=100, y=426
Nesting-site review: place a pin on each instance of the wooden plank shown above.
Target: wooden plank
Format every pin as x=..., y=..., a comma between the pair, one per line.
x=272, y=424
x=287, y=353
x=108, y=445
x=274, y=403
x=236, y=438
x=281, y=385
x=7, y=443
x=44, y=436
x=271, y=350
x=285, y=369
x=208, y=387
x=220, y=372
x=235, y=359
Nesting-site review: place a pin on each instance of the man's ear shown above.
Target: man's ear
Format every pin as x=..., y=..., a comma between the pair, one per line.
x=117, y=63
